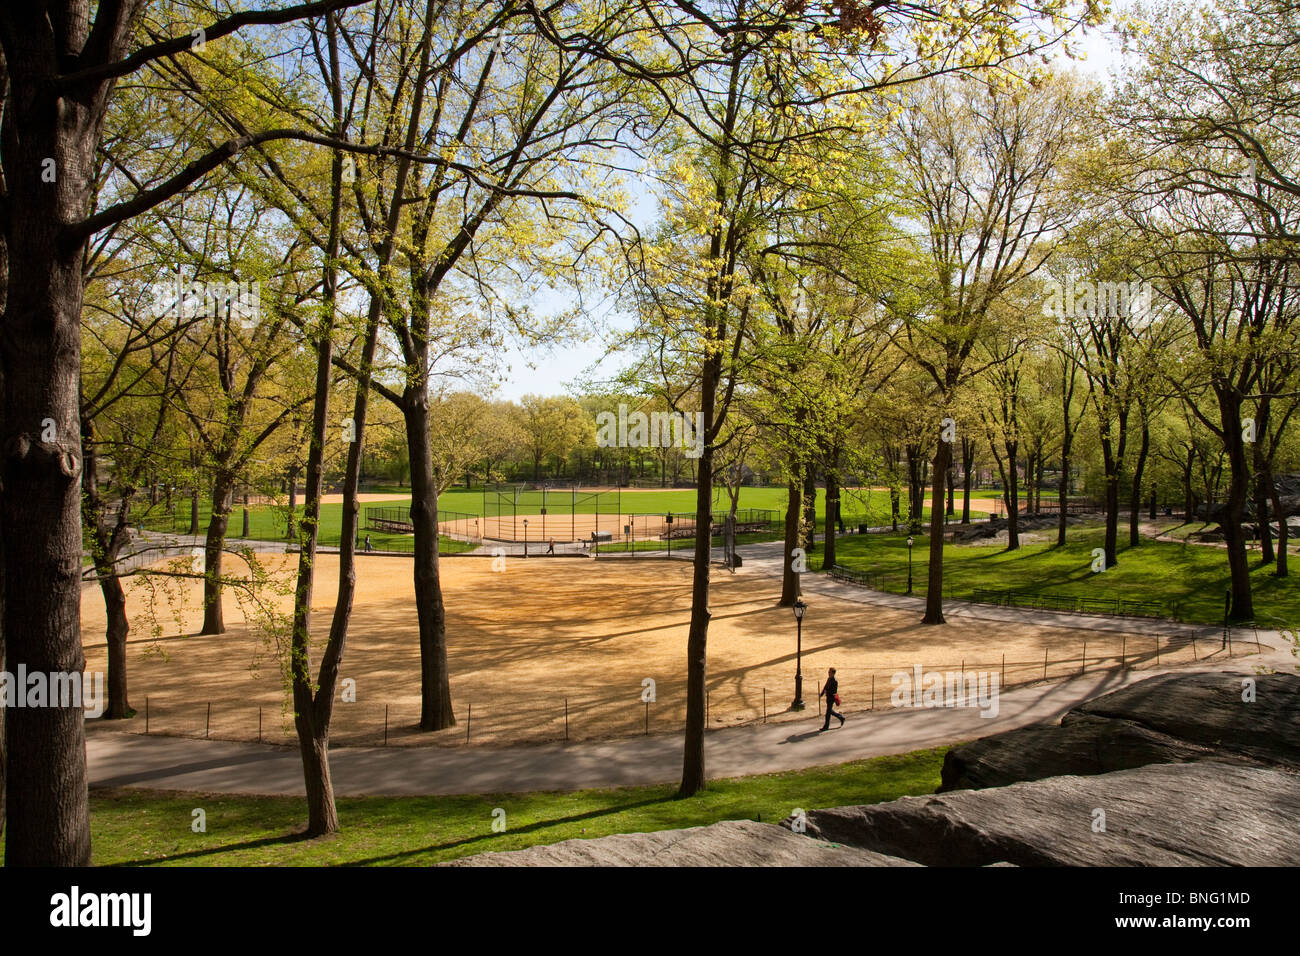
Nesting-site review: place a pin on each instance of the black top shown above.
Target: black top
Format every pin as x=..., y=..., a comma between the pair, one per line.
x=832, y=687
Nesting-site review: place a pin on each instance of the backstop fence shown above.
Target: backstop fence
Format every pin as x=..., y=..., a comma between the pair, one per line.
x=539, y=513
x=390, y=528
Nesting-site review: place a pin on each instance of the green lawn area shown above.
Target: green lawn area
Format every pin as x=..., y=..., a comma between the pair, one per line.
x=1193, y=576
x=268, y=523
x=132, y=827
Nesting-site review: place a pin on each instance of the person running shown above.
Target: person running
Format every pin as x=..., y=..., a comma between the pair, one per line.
x=550, y=546
x=368, y=547
x=830, y=689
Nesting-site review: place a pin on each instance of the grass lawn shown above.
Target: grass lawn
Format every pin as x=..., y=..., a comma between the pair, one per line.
x=267, y=523
x=131, y=827
x=1194, y=576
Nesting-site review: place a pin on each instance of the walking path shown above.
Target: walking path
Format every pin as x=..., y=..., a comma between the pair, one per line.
x=176, y=763
x=118, y=759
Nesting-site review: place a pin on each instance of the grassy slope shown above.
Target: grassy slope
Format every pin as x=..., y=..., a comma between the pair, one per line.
x=141, y=827
x=1195, y=576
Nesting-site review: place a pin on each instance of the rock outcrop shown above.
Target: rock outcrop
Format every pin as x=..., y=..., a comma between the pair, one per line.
x=1170, y=718
x=731, y=843
x=1203, y=814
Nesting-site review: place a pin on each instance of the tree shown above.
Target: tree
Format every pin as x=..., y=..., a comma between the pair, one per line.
x=60, y=66
x=982, y=166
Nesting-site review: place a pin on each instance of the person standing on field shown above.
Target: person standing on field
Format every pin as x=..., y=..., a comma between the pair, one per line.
x=551, y=546
x=831, y=690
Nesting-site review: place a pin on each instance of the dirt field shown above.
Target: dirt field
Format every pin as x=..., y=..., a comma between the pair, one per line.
x=522, y=641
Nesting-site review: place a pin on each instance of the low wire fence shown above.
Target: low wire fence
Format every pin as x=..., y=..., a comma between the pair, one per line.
x=583, y=714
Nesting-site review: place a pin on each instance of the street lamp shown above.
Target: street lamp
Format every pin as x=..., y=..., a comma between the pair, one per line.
x=909, y=563
x=799, y=608
x=526, y=538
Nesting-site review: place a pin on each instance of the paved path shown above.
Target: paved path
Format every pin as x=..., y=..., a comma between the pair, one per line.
x=119, y=759
x=176, y=763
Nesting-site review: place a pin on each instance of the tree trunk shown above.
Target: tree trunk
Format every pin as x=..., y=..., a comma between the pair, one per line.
x=1262, y=475
x=934, y=586
x=223, y=499
x=40, y=509
x=1013, y=496
x=967, y=463
x=1282, y=530
x=1062, y=493
x=1135, y=506
x=194, y=512
x=832, y=513
x=809, y=524
x=1111, y=469
x=435, y=683
x=789, y=577
x=693, y=770
x=1242, y=602
x=116, y=633
x=245, y=534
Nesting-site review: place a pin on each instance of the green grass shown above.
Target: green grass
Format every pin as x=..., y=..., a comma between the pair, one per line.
x=131, y=827
x=1193, y=576
x=268, y=523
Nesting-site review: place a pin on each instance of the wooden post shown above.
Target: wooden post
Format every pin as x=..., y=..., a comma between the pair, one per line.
x=1004, y=673
x=146, y=713
x=1044, y=663
x=1123, y=652
x=469, y=715
x=873, y=692
x=385, y=725
x=259, y=723
x=764, y=705
x=647, y=718
x=1157, y=648
x=1083, y=666
x=208, y=726
x=566, y=718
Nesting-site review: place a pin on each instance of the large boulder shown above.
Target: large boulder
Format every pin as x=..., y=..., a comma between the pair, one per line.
x=1170, y=718
x=1201, y=814
x=1087, y=746
x=731, y=843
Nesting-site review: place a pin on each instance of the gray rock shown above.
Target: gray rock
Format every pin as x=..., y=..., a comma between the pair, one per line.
x=1170, y=718
x=1201, y=814
x=731, y=843
x=1087, y=745
x=1207, y=709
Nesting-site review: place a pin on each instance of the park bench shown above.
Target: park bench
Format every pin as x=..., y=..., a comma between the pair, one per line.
x=1142, y=608
x=1057, y=602
x=1099, y=605
x=990, y=596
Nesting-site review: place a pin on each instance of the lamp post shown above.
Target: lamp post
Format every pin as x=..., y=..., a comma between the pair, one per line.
x=909, y=562
x=799, y=608
x=526, y=540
